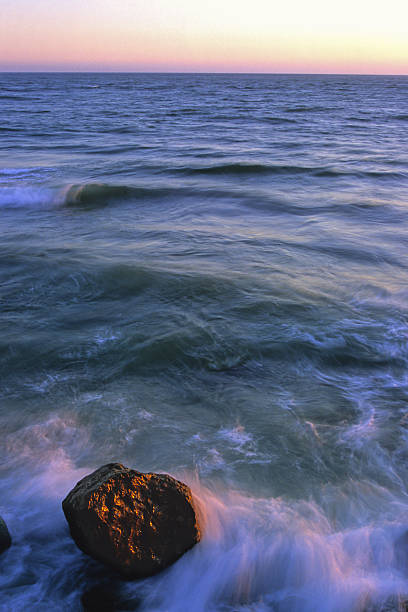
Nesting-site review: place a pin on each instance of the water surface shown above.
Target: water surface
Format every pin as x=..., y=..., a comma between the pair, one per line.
x=206, y=275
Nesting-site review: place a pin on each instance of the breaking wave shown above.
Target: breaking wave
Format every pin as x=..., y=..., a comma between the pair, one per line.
x=27, y=197
x=85, y=195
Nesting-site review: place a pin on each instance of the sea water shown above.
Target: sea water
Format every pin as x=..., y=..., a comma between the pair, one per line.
x=206, y=275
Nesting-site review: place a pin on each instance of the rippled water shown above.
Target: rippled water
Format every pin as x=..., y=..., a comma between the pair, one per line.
x=206, y=275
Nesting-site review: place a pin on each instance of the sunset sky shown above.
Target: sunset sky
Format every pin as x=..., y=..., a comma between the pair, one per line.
x=351, y=36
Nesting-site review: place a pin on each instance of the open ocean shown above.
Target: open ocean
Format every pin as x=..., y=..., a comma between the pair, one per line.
x=206, y=275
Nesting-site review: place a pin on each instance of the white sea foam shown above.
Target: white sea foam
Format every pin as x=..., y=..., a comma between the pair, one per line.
x=256, y=554
x=36, y=195
x=27, y=197
x=45, y=384
x=237, y=437
x=105, y=336
x=145, y=415
x=40, y=472
x=259, y=554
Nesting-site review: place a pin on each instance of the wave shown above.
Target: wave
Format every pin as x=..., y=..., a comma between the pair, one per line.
x=308, y=109
x=11, y=97
x=182, y=112
x=5, y=128
x=279, y=120
x=361, y=119
x=91, y=194
x=23, y=98
x=242, y=168
x=245, y=168
x=22, y=197
x=81, y=195
x=95, y=194
x=100, y=194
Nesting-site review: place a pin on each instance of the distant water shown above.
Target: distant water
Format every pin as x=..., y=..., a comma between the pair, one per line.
x=207, y=275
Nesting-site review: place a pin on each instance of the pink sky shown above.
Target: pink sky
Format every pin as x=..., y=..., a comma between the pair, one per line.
x=356, y=36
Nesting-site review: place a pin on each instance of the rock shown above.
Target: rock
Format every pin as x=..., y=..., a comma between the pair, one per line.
x=136, y=523
x=5, y=538
x=107, y=598
x=98, y=600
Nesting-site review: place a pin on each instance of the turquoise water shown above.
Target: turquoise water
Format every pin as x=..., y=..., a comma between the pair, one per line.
x=206, y=275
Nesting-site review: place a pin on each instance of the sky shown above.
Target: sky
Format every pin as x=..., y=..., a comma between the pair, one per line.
x=300, y=36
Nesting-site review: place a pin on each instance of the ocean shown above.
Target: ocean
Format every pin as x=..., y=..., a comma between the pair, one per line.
x=206, y=275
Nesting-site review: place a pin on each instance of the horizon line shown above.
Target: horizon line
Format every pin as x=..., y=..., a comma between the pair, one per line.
x=368, y=74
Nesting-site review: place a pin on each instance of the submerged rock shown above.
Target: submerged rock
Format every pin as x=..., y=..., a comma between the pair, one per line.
x=136, y=523
x=5, y=538
x=107, y=598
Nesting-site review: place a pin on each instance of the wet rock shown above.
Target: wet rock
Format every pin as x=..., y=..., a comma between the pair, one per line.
x=5, y=538
x=137, y=523
x=98, y=600
x=107, y=598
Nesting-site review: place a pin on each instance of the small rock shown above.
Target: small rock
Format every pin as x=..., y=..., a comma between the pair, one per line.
x=107, y=598
x=137, y=523
x=98, y=600
x=5, y=538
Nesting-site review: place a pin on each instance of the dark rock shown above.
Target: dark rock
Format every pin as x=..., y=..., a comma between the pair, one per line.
x=5, y=538
x=107, y=598
x=136, y=523
x=98, y=599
